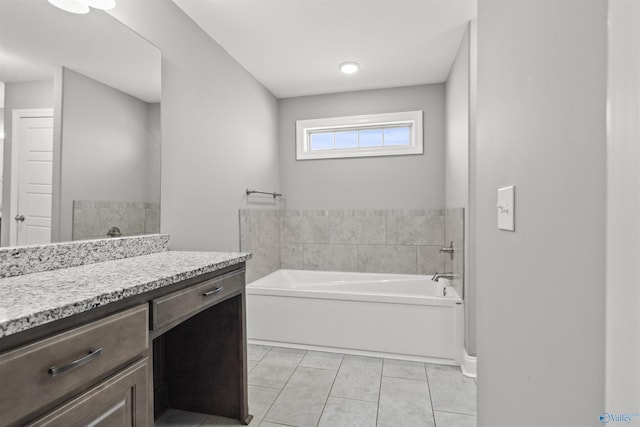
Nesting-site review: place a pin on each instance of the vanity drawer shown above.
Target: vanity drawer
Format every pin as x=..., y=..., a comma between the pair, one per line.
x=121, y=400
x=172, y=307
x=39, y=374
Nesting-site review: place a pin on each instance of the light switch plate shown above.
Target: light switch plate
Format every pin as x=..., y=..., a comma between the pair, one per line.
x=506, y=208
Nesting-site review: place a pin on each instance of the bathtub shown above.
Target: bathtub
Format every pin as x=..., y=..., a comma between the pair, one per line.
x=399, y=316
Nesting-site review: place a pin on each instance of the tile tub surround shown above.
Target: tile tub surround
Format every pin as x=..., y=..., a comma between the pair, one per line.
x=25, y=301
x=454, y=232
x=260, y=235
x=361, y=240
x=19, y=260
x=92, y=219
x=365, y=392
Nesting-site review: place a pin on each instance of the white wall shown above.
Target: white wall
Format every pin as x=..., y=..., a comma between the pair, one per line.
x=540, y=289
x=105, y=146
x=219, y=129
x=18, y=96
x=456, y=171
x=623, y=210
x=365, y=183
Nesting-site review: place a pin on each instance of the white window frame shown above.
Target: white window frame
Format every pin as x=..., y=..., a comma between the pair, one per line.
x=304, y=129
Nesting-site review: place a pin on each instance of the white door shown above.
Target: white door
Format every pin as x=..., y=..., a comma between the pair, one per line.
x=31, y=172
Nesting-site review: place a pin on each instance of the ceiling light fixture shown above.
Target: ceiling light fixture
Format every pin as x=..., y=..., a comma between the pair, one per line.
x=349, y=67
x=82, y=6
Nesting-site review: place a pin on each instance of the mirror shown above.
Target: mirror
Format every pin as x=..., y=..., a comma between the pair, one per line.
x=81, y=109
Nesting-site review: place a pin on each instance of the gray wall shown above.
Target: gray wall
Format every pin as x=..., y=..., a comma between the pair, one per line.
x=154, y=151
x=219, y=129
x=105, y=146
x=471, y=211
x=457, y=166
x=18, y=96
x=456, y=170
x=541, y=126
x=623, y=209
x=404, y=182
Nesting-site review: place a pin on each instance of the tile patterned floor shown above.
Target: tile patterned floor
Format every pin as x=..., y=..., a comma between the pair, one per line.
x=298, y=388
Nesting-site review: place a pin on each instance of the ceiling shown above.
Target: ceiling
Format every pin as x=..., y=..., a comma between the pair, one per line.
x=294, y=47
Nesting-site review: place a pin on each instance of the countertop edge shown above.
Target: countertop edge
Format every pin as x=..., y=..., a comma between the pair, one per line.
x=42, y=317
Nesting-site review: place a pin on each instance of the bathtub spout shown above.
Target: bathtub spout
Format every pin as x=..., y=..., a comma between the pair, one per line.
x=437, y=276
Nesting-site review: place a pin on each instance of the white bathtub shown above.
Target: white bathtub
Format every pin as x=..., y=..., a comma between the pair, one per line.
x=399, y=316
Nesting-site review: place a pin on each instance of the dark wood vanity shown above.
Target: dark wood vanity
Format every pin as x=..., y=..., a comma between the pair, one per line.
x=181, y=346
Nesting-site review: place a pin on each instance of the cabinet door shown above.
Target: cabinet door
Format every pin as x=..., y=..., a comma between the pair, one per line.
x=119, y=401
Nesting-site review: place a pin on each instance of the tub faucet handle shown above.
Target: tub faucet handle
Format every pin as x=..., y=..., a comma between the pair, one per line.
x=448, y=249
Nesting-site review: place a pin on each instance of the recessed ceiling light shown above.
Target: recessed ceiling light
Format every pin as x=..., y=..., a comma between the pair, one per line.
x=349, y=67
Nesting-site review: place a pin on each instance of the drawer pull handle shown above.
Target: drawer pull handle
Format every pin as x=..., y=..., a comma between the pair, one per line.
x=213, y=291
x=93, y=353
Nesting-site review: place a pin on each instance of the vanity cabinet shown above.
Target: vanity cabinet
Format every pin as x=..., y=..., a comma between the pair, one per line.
x=182, y=345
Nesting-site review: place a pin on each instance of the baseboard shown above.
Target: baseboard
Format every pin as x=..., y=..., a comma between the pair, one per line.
x=469, y=365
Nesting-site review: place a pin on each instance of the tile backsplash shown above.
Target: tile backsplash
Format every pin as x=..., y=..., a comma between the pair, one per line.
x=19, y=260
x=92, y=219
x=379, y=241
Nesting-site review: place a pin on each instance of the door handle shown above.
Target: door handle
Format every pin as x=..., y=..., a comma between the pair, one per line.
x=19, y=218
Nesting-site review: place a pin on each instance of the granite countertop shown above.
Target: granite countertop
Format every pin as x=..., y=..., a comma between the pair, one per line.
x=35, y=299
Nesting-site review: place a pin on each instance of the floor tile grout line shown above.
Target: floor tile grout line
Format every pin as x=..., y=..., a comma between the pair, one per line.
x=330, y=390
x=280, y=424
x=352, y=399
x=456, y=413
x=433, y=410
x=264, y=386
x=403, y=378
x=203, y=420
x=285, y=385
x=379, y=391
x=355, y=400
x=326, y=369
x=265, y=353
x=320, y=369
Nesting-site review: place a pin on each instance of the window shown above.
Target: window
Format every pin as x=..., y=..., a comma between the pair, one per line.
x=389, y=134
